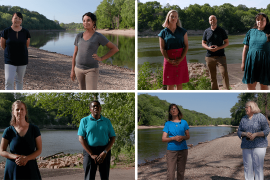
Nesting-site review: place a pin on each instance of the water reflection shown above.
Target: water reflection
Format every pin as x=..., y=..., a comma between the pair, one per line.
x=63, y=42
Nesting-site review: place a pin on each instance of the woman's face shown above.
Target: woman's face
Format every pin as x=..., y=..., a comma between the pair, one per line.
x=174, y=111
x=87, y=22
x=19, y=111
x=16, y=21
x=173, y=18
x=261, y=22
x=248, y=110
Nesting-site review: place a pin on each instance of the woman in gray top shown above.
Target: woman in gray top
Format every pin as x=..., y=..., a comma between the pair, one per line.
x=85, y=59
x=253, y=130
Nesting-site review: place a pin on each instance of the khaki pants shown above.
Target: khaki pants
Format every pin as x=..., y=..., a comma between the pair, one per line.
x=212, y=63
x=178, y=158
x=87, y=78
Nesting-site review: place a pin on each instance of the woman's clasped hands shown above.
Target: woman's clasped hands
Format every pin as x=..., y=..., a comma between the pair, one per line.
x=251, y=136
x=178, y=138
x=21, y=160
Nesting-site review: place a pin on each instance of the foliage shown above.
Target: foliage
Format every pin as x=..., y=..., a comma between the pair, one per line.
x=116, y=14
x=235, y=19
x=31, y=19
x=153, y=111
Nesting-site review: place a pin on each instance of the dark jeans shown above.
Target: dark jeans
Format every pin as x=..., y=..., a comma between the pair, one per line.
x=90, y=168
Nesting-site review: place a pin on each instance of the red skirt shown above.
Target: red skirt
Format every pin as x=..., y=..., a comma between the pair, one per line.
x=175, y=74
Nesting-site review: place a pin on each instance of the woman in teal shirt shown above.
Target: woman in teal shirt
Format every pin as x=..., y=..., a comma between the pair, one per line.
x=176, y=132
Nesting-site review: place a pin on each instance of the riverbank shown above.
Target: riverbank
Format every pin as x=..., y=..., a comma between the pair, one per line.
x=51, y=71
x=153, y=127
x=124, y=32
x=219, y=159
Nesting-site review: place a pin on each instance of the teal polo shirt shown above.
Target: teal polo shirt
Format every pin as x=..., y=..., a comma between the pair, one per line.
x=96, y=132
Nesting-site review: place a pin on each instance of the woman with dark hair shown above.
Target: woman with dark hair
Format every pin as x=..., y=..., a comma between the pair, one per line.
x=253, y=131
x=25, y=145
x=173, y=42
x=176, y=132
x=15, y=40
x=256, y=54
x=85, y=59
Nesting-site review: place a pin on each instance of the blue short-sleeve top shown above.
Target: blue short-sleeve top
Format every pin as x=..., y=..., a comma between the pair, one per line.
x=176, y=129
x=173, y=40
x=16, y=52
x=96, y=132
x=257, y=123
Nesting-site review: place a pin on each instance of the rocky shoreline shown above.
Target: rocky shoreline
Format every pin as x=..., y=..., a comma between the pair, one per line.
x=218, y=159
x=51, y=71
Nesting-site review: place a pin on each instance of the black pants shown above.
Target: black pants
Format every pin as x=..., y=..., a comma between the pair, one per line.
x=90, y=168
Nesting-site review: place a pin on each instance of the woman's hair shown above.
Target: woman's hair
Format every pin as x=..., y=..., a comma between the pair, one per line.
x=253, y=106
x=267, y=26
x=18, y=14
x=92, y=16
x=13, y=118
x=180, y=115
x=166, y=23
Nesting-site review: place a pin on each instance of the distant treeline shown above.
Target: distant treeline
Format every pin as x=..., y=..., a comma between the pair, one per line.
x=153, y=111
x=117, y=14
x=32, y=20
x=235, y=19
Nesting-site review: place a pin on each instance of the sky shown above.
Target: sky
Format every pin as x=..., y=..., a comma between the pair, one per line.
x=65, y=11
x=212, y=104
x=182, y=4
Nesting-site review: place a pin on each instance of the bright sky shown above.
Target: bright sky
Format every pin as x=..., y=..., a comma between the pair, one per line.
x=65, y=11
x=212, y=104
x=182, y=4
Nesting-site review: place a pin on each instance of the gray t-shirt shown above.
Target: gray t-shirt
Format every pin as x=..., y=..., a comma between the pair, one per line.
x=86, y=49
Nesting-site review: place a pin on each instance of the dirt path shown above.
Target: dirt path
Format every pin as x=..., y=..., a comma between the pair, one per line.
x=51, y=71
x=220, y=159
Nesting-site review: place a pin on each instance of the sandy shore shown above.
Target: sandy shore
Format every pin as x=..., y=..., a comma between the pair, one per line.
x=219, y=159
x=51, y=71
x=124, y=32
x=152, y=127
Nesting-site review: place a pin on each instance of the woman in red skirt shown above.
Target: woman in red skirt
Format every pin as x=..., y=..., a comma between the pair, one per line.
x=173, y=41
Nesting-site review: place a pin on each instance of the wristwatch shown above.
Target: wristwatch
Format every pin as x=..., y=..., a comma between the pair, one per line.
x=105, y=151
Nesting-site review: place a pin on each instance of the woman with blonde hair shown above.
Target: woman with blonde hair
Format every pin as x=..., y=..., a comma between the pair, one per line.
x=25, y=145
x=253, y=131
x=173, y=42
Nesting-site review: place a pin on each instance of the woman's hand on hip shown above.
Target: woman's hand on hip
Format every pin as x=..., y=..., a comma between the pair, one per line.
x=101, y=157
x=96, y=57
x=72, y=75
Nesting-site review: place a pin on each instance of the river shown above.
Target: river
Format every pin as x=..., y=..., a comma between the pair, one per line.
x=63, y=42
x=149, y=51
x=151, y=147
x=55, y=141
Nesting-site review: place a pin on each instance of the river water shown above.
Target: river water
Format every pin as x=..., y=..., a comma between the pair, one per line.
x=149, y=51
x=55, y=141
x=151, y=147
x=63, y=42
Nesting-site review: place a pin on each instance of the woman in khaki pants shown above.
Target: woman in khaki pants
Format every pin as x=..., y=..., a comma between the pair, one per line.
x=85, y=59
x=176, y=133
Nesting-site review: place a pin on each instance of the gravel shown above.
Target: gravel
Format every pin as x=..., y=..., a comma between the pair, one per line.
x=51, y=71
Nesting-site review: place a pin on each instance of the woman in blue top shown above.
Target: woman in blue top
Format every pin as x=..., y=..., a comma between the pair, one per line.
x=253, y=131
x=176, y=133
x=256, y=54
x=173, y=42
x=24, y=141
x=15, y=41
